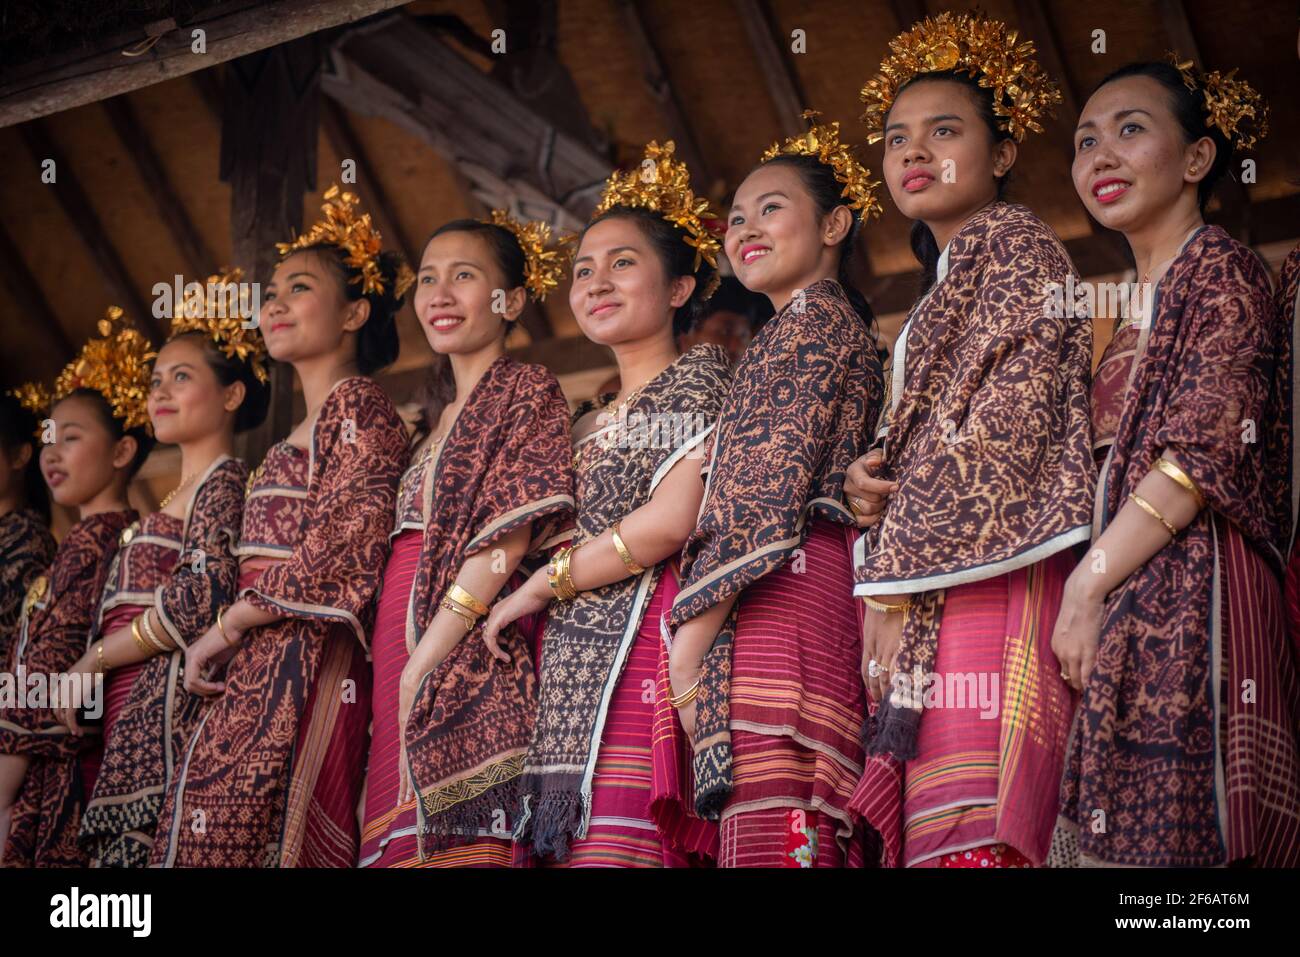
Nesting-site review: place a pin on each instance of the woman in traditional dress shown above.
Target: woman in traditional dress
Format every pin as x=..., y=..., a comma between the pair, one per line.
x=26, y=545
x=780, y=704
x=272, y=775
x=983, y=464
x=491, y=475
x=1184, y=752
x=175, y=569
x=601, y=757
x=97, y=440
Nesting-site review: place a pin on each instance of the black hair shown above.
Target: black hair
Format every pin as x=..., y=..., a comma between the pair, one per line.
x=144, y=442
x=669, y=244
x=18, y=427
x=377, y=340
x=732, y=296
x=1188, y=107
x=439, y=388
x=827, y=192
x=924, y=246
x=229, y=370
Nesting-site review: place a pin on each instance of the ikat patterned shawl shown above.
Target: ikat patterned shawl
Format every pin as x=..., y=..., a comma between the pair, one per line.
x=806, y=394
x=987, y=432
x=506, y=463
x=587, y=640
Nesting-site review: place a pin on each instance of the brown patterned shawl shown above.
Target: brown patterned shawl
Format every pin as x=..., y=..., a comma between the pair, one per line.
x=244, y=770
x=806, y=392
x=987, y=433
x=26, y=550
x=53, y=633
x=1213, y=385
x=587, y=640
x=506, y=463
x=159, y=715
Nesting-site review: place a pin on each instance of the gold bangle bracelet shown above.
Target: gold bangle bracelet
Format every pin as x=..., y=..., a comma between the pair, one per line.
x=557, y=572
x=139, y=638
x=464, y=616
x=461, y=597
x=1171, y=470
x=222, y=628
x=686, y=697
x=1150, y=509
x=152, y=635
x=99, y=654
x=877, y=605
x=620, y=546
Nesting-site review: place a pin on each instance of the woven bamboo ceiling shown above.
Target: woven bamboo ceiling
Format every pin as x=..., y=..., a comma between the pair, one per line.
x=440, y=126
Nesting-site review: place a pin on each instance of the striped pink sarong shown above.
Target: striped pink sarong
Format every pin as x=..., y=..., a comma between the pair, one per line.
x=991, y=745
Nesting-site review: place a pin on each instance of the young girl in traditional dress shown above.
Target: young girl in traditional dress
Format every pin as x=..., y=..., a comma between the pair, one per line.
x=780, y=705
x=273, y=773
x=1184, y=752
x=492, y=473
x=97, y=439
x=175, y=569
x=600, y=757
x=26, y=545
x=984, y=466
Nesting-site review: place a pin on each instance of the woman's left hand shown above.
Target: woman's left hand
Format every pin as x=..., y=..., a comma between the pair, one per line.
x=1078, y=631
x=208, y=656
x=83, y=673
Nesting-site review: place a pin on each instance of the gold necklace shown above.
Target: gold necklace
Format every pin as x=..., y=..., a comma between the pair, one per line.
x=581, y=463
x=167, y=499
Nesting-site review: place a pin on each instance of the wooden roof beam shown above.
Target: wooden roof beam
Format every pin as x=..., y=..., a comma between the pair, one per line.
x=198, y=256
x=76, y=206
x=660, y=86
x=232, y=30
x=35, y=309
x=775, y=67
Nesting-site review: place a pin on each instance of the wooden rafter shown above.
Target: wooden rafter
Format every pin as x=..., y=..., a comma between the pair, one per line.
x=76, y=206
x=773, y=65
x=661, y=89
x=32, y=305
x=198, y=256
x=232, y=30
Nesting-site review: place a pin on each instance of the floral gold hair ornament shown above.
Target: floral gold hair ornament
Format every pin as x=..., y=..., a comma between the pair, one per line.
x=981, y=47
x=822, y=142
x=1230, y=104
x=543, y=268
x=214, y=311
x=342, y=226
x=661, y=183
x=116, y=365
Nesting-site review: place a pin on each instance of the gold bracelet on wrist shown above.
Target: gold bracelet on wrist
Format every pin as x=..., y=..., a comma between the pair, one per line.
x=222, y=628
x=1171, y=470
x=881, y=606
x=463, y=615
x=1150, y=509
x=558, y=577
x=461, y=597
x=139, y=638
x=686, y=697
x=99, y=654
x=620, y=546
x=147, y=627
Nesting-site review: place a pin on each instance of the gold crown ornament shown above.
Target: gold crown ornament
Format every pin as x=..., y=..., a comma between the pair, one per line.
x=976, y=45
x=116, y=365
x=1230, y=104
x=661, y=183
x=343, y=226
x=214, y=312
x=543, y=268
x=822, y=142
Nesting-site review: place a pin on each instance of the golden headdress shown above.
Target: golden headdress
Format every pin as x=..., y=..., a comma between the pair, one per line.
x=1230, y=104
x=214, y=311
x=822, y=142
x=115, y=365
x=341, y=225
x=543, y=269
x=981, y=47
x=661, y=183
